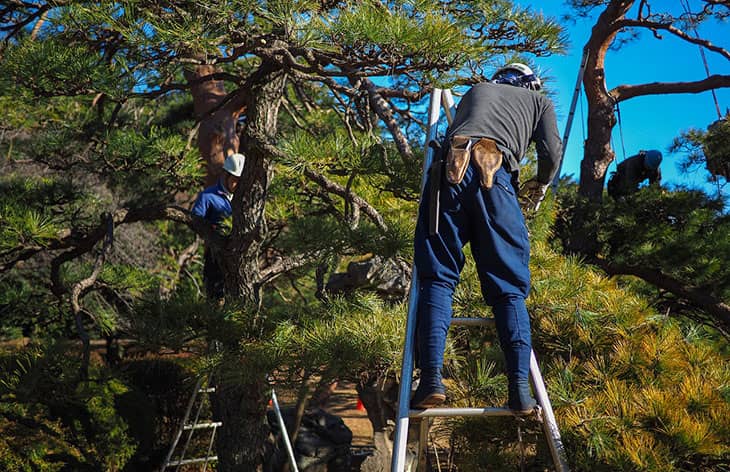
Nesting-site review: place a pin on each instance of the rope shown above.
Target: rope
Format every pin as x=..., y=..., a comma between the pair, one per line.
x=621, y=131
x=582, y=116
x=685, y=5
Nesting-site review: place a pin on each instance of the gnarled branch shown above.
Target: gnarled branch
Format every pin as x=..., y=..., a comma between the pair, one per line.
x=699, y=298
x=384, y=112
x=83, y=285
x=333, y=187
x=627, y=23
x=625, y=92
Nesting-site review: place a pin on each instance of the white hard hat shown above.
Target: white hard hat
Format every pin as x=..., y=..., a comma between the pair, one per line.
x=234, y=164
x=519, y=75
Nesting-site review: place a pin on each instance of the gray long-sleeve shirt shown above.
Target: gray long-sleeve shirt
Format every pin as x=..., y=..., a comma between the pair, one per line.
x=512, y=117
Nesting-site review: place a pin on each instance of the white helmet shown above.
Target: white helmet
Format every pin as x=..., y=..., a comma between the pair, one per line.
x=234, y=164
x=519, y=75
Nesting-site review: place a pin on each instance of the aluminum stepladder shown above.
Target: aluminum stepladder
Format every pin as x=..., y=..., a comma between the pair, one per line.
x=202, y=386
x=438, y=98
x=214, y=425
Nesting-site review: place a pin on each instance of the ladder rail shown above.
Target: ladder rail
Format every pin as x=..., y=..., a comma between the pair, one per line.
x=179, y=433
x=284, y=432
x=208, y=457
x=550, y=426
x=571, y=115
x=401, y=429
x=192, y=427
x=447, y=100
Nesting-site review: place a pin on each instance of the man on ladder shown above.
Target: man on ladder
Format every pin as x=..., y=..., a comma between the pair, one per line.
x=477, y=203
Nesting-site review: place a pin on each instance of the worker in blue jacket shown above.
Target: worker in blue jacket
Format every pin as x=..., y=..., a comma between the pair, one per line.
x=633, y=171
x=214, y=205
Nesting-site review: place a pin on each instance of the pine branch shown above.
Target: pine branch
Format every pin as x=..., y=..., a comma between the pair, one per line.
x=333, y=187
x=383, y=110
x=283, y=265
x=183, y=259
x=83, y=285
x=701, y=299
x=80, y=244
x=625, y=92
x=627, y=23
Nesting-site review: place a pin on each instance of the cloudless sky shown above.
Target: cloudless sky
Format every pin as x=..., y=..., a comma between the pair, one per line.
x=649, y=122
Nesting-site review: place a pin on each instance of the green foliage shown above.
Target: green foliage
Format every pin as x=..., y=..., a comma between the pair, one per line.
x=50, y=421
x=169, y=323
x=29, y=210
x=348, y=336
x=404, y=30
x=710, y=147
x=151, y=160
x=680, y=233
x=631, y=390
x=56, y=67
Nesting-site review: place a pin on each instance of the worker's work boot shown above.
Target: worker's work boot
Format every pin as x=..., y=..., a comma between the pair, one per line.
x=457, y=159
x=520, y=398
x=487, y=159
x=430, y=392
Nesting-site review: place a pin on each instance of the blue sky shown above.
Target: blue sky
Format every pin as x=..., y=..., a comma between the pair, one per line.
x=648, y=122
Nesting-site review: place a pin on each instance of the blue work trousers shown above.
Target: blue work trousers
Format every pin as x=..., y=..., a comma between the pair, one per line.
x=491, y=221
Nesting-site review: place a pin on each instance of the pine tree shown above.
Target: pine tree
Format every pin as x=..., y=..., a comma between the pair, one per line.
x=621, y=21
x=331, y=93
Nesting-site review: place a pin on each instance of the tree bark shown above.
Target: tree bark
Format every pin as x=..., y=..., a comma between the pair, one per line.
x=241, y=403
x=217, y=136
x=598, y=153
x=601, y=120
x=241, y=407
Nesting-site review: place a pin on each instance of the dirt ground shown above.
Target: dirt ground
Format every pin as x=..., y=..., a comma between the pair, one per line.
x=343, y=403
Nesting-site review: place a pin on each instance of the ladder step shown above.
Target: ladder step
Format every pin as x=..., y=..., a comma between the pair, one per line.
x=462, y=321
x=451, y=412
x=215, y=424
x=193, y=461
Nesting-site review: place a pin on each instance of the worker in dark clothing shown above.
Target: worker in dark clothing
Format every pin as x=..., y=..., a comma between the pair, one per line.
x=633, y=171
x=494, y=124
x=214, y=205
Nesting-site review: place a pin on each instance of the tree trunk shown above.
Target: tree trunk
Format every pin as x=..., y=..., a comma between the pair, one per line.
x=598, y=154
x=241, y=407
x=217, y=136
x=242, y=404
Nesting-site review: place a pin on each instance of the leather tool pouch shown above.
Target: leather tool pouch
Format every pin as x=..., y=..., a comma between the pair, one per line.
x=487, y=159
x=457, y=158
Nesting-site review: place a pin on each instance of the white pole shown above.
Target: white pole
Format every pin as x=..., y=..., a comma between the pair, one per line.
x=449, y=107
x=284, y=432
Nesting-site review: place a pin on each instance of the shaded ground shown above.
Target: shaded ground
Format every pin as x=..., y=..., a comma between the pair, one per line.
x=343, y=403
